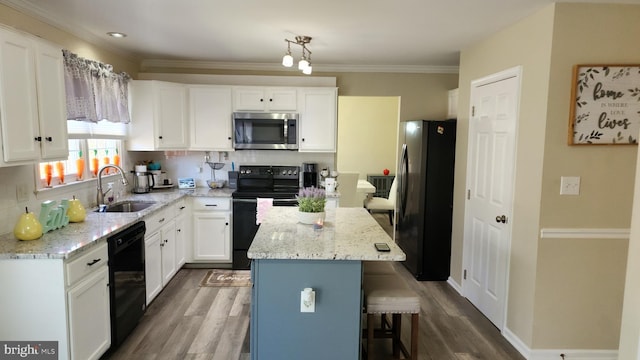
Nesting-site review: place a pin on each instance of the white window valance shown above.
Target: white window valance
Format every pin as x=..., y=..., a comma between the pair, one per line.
x=94, y=91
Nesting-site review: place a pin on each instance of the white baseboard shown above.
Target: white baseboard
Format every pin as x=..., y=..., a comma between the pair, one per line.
x=454, y=285
x=554, y=354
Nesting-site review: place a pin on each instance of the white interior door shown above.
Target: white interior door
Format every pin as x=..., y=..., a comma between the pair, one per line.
x=491, y=154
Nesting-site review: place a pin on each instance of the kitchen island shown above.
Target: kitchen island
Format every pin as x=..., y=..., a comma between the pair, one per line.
x=288, y=257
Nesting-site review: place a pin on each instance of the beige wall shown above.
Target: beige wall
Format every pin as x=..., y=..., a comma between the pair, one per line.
x=502, y=51
x=559, y=287
x=362, y=147
x=607, y=177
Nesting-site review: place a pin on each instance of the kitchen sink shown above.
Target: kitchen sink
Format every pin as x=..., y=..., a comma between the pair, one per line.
x=128, y=206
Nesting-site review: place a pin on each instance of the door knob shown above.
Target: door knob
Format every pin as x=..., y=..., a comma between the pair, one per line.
x=501, y=219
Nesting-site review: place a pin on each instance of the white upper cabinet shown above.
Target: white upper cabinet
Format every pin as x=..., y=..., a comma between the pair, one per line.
x=264, y=99
x=210, y=118
x=52, y=109
x=317, y=108
x=32, y=100
x=158, y=116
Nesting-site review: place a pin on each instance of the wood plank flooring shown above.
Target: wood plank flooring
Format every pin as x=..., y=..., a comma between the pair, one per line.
x=187, y=321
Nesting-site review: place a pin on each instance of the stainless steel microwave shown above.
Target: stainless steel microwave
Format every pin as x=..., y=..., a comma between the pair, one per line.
x=265, y=131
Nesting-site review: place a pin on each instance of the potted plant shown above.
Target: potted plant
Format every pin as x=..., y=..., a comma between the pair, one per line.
x=310, y=205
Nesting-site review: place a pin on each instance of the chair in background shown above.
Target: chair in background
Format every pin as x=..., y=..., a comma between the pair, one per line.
x=384, y=204
x=347, y=187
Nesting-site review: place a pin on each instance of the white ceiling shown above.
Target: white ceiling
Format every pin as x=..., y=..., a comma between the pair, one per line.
x=360, y=35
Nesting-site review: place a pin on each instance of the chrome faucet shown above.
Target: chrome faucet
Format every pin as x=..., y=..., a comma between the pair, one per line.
x=100, y=197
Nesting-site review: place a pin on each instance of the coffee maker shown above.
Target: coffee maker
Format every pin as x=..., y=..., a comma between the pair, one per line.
x=309, y=175
x=142, y=180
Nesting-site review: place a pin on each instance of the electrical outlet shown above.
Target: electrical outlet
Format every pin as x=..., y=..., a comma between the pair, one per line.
x=22, y=193
x=308, y=300
x=570, y=185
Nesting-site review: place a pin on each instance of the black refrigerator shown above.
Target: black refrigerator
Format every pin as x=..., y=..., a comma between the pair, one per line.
x=425, y=196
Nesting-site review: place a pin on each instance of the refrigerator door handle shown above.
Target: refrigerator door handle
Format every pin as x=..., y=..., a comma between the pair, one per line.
x=404, y=180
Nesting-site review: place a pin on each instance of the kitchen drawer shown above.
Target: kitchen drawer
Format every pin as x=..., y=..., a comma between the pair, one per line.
x=211, y=204
x=154, y=221
x=180, y=207
x=87, y=263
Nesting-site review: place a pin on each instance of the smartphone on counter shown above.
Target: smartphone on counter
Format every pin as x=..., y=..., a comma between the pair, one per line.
x=382, y=247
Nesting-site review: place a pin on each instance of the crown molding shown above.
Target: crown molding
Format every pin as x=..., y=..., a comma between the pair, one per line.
x=211, y=65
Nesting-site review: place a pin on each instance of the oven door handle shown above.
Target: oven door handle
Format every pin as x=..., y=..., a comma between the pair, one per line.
x=275, y=201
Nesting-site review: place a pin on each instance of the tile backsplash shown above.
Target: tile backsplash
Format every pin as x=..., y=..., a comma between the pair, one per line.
x=192, y=163
x=175, y=163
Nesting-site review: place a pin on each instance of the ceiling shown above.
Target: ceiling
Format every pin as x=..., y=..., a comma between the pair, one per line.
x=353, y=35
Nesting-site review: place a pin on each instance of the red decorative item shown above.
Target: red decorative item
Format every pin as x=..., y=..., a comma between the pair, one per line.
x=385, y=171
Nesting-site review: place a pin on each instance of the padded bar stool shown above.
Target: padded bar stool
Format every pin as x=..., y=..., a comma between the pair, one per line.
x=389, y=294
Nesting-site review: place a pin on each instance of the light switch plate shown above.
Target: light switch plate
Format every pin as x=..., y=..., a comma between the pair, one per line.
x=570, y=185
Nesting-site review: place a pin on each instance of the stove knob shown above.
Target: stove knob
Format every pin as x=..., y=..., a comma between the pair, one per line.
x=248, y=171
x=284, y=172
x=289, y=172
x=241, y=171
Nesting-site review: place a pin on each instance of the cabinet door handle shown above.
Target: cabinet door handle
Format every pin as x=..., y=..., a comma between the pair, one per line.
x=161, y=220
x=38, y=138
x=270, y=100
x=227, y=224
x=261, y=100
x=160, y=137
x=182, y=207
x=179, y=230
x=302, y=139
x=161, y=244
x=49, y=138
x=93, y=262
x=166, y=240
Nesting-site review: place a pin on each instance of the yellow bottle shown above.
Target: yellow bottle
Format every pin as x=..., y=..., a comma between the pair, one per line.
x=28, y=227
x=76, y=211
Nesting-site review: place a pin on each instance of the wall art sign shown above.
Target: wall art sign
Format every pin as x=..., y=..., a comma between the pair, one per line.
x=605, y=107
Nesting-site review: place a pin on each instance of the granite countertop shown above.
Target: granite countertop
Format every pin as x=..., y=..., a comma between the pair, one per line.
x=348, y=234
x=75, y=238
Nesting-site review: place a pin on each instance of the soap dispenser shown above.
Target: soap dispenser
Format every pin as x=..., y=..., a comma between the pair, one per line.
x=76, y=211
x=28, y=227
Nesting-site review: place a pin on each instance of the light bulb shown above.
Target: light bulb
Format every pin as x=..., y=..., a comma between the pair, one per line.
x=287, y=60
x=307, y=70
x=303, y=64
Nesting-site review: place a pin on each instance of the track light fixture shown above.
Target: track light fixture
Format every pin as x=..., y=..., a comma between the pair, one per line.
x=305, y=60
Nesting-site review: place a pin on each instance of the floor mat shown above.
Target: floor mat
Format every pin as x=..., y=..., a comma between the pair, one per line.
x=222, y=277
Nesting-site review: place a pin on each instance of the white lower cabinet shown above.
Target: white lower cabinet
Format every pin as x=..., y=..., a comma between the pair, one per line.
x=168, y=251
x=211, y=230
x=182, y=232
x=58, y=300
x=152, y=265
x=164, y=247
x=89, y=321
x=160, y=259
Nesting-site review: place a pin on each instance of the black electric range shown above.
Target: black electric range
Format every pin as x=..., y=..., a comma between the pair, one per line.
x=280, y=183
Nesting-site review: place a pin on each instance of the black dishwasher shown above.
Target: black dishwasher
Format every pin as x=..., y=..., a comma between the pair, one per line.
x=126, y=281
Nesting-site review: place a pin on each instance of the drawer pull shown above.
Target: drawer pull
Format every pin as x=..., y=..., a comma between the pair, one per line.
x=211, y=205
x=93, y=262
x=161, y=220
x=182, y=207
